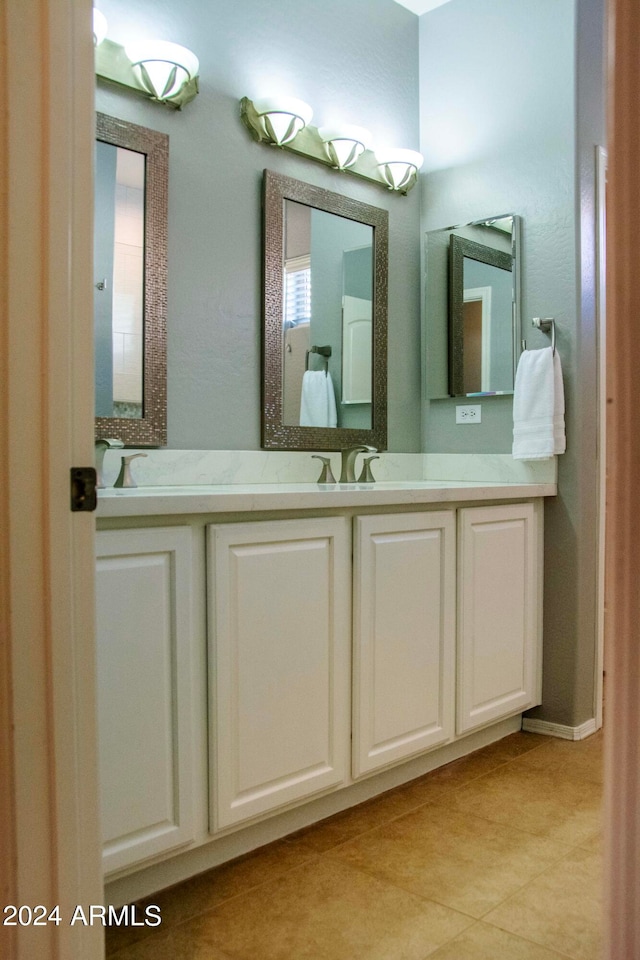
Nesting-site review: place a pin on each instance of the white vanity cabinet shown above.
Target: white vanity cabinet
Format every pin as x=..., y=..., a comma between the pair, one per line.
x=280, y=654
x=345, y=653
x=404, y=636
x=144, y=646
x=499, y=612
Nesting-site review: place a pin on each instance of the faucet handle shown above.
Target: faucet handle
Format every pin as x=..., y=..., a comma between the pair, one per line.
x=366, y=476
x=125, y=478
x=326, y=476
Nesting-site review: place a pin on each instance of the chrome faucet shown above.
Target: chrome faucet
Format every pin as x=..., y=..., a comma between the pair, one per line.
x=349, y=454
x=101, y=445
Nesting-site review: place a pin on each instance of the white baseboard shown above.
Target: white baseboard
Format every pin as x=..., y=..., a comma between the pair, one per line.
x=560, y=730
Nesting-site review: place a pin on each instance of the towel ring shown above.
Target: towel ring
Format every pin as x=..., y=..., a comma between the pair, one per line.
x=547, y=324
x=325, y=353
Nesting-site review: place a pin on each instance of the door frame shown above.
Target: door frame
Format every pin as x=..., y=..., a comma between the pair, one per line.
x=49, y=828
x=601, y=327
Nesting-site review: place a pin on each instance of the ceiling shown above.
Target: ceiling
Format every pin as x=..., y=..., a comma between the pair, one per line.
x=421, y=6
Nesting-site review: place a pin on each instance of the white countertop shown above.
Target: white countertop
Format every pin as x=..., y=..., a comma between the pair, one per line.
x=245, y=498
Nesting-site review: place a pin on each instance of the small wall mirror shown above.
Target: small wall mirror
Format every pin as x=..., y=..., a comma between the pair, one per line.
x=473, y=273
x=130, y=276
x=325, y=319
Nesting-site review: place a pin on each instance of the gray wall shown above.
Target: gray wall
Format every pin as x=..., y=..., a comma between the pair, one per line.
x=498, y=136
x=503, y=135
x=356, y=61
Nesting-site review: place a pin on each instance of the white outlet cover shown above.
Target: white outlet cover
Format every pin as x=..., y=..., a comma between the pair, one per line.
x=469, y=413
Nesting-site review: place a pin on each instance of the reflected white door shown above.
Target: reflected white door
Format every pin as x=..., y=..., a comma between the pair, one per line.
x=356, y=350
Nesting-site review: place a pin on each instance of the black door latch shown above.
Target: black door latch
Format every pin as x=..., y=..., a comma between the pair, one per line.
x=84, y=495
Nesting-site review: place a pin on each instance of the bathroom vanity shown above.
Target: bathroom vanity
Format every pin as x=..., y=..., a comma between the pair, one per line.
x=271, y=653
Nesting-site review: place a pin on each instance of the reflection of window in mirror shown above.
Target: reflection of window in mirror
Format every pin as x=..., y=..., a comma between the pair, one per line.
x=119, y=272
x=297, y=295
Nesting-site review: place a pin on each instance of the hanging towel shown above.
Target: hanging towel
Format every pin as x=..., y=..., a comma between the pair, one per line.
x=538, y=406
x=318, y=400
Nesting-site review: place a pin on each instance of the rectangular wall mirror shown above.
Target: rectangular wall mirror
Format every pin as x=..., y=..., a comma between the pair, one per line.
x=473, y=291
x=130, y=278
x=325, y=319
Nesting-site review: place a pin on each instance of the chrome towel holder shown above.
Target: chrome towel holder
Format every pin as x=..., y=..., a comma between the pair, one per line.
x=325, y=353
x=546, y=324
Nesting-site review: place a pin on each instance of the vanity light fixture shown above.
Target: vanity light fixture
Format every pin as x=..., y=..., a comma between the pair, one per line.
x=99, y=27
x=399, y=167
x=344, y=144
x=285, y=122
x=282, y=118
x=163, y=68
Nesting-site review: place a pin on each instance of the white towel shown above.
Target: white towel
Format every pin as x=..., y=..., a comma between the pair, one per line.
x=538, y=406
x=318, y=400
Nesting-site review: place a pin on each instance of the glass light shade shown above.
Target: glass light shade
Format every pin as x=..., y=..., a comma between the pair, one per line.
x=282, y=118
x=162, y=67
x=344, y=144
x=399, y=166
x=99, y=27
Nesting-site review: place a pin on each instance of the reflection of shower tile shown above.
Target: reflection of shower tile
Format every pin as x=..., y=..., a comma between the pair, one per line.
x=127, y=387
x=129, y=216
x=130, y=230
x=124, y=314
x=118, y=353
x=132, y=354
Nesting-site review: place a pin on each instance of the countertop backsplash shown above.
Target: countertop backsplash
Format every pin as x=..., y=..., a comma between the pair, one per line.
x=189, y=467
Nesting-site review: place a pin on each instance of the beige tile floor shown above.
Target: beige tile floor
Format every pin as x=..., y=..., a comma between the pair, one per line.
x=493, y=857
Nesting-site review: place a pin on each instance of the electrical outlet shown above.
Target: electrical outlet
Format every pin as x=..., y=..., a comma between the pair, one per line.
x=469, y=414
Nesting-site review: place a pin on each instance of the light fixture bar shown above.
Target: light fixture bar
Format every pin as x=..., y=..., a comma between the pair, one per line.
x=308, y=143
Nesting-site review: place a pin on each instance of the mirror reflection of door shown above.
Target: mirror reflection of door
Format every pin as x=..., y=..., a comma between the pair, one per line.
x=487, y=312
x=119, y=280
x=356, y=350
x=472, y=358
x=483, y=302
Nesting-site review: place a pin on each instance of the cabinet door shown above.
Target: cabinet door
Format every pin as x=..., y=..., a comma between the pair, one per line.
x=499, y=623
x=144, y=724
x=279, y=649
x=404, y=636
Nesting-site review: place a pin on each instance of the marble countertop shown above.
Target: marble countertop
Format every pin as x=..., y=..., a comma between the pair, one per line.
x=245, y=498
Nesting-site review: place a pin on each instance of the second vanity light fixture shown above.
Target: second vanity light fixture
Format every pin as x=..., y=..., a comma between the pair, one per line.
x=285, y=122
x=164, y=71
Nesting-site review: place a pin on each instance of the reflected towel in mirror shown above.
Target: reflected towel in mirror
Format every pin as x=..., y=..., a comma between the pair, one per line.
x=318, y=400
x=538, y=406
